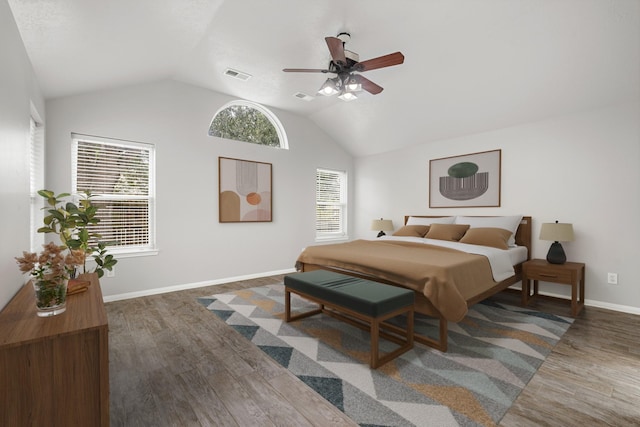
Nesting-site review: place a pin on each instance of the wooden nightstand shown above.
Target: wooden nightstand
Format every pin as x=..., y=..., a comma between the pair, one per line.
x=569, y=273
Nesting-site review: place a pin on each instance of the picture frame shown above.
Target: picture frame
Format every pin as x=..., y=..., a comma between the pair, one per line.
x=244, y=190
x=469, y=180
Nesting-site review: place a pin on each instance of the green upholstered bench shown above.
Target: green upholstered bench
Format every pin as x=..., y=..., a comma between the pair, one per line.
x=362, y=303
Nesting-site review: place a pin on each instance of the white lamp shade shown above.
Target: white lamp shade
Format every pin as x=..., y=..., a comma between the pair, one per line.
x=382, y=225
x=556, y=232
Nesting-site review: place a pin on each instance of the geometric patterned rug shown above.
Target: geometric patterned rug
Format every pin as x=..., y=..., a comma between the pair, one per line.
x=492, y=354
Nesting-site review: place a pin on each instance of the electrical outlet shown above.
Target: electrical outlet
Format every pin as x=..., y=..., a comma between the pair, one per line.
x=112, y=272
x=612, y=278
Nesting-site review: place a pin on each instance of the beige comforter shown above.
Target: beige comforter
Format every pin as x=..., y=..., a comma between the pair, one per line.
x=446, y=277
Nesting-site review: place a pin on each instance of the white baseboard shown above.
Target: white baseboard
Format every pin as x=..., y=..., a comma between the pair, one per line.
x=592, y=303
x=613, y=307
x=186, y=286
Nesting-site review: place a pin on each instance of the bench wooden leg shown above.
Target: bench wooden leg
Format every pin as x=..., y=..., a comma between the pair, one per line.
x=287, y=309
x=287, y=305
x=375, y=334
x=410, y=327
x=439, y=344
x=405, y=345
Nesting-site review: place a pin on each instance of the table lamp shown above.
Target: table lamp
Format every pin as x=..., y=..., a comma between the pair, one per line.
x=382, y=225
x=556, y=232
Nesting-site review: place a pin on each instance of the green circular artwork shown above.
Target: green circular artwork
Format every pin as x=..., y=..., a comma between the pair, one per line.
x=462, y=170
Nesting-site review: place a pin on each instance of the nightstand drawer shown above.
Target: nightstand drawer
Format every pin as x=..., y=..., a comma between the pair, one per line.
x=569, y=273
x=548, y=274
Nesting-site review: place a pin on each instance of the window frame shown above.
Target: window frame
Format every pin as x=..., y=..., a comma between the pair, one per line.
x=342, y=205
x=282, y=135
x=36, y=181
x=128, y=250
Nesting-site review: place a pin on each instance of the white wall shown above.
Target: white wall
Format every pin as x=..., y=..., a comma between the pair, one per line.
x=194, y=246
x=18, y=91
x=583, y=169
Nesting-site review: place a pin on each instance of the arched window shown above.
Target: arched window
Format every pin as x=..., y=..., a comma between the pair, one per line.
x=248, y=122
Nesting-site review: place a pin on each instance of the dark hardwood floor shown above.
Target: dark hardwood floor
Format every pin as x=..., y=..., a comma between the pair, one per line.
x=172, y=363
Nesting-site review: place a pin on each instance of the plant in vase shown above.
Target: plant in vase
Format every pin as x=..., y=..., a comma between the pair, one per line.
x=50, y=271
x=72, y=223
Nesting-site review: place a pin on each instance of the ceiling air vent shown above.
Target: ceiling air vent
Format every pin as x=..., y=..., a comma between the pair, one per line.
x=303, y=96
x=237, y=74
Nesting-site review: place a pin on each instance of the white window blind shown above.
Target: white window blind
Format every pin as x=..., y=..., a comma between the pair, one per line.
x=36, y=183
x=331, y=204
x=120, y=177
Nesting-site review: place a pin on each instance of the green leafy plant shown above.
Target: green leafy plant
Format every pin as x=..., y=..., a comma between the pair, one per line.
x=73, y=224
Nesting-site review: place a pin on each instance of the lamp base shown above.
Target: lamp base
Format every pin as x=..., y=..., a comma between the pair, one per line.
x=381, y=233
x=556, y=254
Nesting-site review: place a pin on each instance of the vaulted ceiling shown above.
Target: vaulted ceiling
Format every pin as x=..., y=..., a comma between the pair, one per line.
x=470, y=66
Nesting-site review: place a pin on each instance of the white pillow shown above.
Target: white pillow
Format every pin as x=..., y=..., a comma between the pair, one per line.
x=414, y=220
x=510, y=223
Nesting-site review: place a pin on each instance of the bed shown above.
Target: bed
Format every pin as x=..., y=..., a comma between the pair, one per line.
x=449, y=273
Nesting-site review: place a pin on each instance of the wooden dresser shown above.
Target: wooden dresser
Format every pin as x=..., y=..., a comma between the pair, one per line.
x=54, y=371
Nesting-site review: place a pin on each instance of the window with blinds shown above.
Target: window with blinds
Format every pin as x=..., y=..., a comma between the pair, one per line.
x=36, y=182
x=120, y=176
x=331, y=204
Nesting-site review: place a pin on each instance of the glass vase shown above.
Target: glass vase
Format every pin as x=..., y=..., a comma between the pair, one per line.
x=51, y=297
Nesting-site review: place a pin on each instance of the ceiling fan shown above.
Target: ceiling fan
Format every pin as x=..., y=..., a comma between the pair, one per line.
x=346, y=66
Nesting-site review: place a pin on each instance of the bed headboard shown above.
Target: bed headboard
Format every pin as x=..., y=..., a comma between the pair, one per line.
x=523, y=233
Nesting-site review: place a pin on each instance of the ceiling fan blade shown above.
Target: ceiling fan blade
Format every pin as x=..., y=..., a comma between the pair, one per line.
x=305, y=70
x=336, y=47
x=368, y=85
x=380, y=62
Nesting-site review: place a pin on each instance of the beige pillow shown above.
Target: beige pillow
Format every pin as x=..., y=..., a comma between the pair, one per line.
x=452, y=232
x=412, y=230
x=510, y=222
x=487, y=236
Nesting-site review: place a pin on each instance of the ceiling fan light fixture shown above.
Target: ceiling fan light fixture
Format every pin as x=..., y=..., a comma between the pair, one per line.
x=348, y=96
x=330, y=87
x=352, y=84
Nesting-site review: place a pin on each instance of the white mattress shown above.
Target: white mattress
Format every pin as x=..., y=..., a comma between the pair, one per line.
x=518, y=254
x=501, y=260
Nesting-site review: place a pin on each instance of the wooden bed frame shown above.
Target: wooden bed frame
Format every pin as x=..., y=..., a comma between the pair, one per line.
x=423, y=306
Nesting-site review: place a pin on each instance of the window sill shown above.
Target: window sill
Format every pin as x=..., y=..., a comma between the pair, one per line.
x=132, y=253
x=332, y=239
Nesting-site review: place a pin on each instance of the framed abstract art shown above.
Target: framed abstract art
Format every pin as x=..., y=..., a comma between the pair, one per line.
x=244, y=193
x=471, y=180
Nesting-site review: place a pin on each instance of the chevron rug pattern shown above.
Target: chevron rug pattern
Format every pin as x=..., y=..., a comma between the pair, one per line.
x=493, y=352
